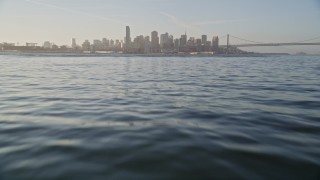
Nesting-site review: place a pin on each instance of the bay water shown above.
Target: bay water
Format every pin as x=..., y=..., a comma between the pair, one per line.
x=64, y=117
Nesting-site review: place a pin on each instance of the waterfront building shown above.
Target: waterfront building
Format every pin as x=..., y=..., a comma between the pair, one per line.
x=191, y=45
x=118, y=44
x=105, y=43
x=164, y=39
x=198, y=45
x=31, y=44
x=74, y=44
x=147, y=45
x=198, y=42
x=111, y=43
x=170, y=45
x=147, y=39
x=127, y=39
x=128, y=35
x=97, y=42
x=54, y=46
x=183, y=40
x=215, y=44
x=86, y=46
x=207, y=46
x=204, y=39
x=139, y=44
x=166, y=43
x=47, y=45
x=155, y=46
x=176, y=45
x=5, y=44
x=97, y=45
x=183, y=43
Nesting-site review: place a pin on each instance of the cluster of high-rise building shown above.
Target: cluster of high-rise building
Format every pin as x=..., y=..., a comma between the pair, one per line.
x=99, y=45
x=168, y=44
x=155, y=43
x=163, y=43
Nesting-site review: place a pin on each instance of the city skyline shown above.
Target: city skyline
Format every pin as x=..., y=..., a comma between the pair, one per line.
x=154, y=44
x=58, y=21
x=142, y=44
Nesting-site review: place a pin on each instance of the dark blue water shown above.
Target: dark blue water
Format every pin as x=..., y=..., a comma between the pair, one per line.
x=159, y=118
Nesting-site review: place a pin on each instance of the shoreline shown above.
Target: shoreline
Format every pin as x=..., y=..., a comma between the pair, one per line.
x=74, y=54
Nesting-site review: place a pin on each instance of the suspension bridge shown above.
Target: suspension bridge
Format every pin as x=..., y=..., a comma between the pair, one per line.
x=250, y=43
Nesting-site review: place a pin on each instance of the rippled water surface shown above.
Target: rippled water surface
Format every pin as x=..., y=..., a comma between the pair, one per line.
x=159, y=118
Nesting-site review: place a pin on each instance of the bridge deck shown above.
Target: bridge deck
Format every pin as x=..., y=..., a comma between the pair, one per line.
x=275, y=44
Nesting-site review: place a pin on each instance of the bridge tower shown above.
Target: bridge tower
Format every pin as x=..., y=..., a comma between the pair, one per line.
x=227, y=43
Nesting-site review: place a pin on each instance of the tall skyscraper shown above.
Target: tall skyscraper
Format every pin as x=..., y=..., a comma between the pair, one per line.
x=105, y=42
x=155, y=46
x=199, y=42
x=183, y=43
x=176, y=45
x=147, y=44
x=112, y=43
x=164, y=39
x=166, y=43
x=215, y=43
x=183, y=40
x=204, y=39
x=128, y=36
x=86, y=45
x=147, y=38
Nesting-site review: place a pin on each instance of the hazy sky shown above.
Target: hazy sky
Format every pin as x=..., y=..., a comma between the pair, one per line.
x=60, y=20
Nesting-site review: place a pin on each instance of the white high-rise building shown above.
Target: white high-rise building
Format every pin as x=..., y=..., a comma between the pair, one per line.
x=74, y=44
x=47, y=45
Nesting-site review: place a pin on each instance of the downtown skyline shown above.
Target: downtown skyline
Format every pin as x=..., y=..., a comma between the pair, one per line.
x=58, y=21
x=154, y=43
